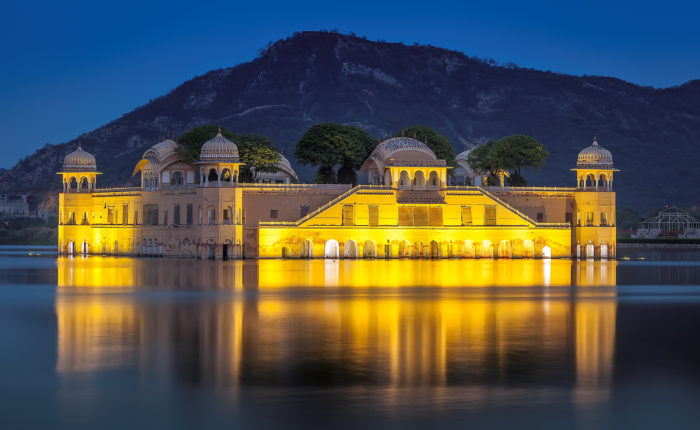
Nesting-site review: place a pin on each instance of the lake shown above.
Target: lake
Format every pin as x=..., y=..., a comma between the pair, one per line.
x=118, y=342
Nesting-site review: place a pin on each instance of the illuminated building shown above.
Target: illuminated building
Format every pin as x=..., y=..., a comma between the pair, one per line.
x=406, y=210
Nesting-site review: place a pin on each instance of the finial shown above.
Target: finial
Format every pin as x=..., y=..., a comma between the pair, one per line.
x=219, y=128
x=80, y=145
x=595, y=140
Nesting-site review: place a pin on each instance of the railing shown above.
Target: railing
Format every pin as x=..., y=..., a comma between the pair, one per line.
x=117, y=190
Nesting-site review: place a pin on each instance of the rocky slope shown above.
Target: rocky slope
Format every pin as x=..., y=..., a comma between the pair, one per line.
x=319, y=76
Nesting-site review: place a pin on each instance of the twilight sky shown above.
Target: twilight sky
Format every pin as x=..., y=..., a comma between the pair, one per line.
x=69, y=67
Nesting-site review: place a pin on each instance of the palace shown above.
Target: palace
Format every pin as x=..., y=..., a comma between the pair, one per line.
x=406, y=209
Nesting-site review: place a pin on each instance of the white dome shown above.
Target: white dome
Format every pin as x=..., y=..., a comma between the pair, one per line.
x=285, y=166
x=595, y=156
x=391, y=147
x=160, y=151
x=79, y=161
x=463, y=155
x=218, y=149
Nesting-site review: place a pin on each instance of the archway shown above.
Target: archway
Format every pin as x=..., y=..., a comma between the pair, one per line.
x=387, y=177
x=404, y=180
x=178, y=179
x=332, y=250
x=603, y=182
x=419, y=180
x=418, y=250
x=504, y=249
x=369, y=249
x=434, y=180
x=84, y=184
x=307, y=249
x=73, y=184
x=590, y=251
x=604, y=251
x=468, y=249
x=404, y=249
x=546, y=252
x=434, y=249
x=226, y=175
x=213, y=176
x=351, y=249
x=71, y=247
x=486, y=249
x=590, y=181
x=528, y=249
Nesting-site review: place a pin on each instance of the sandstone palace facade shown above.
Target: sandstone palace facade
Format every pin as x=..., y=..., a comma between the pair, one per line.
x=406, y=210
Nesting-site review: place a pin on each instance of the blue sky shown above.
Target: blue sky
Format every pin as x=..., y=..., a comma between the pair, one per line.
x=69, y=67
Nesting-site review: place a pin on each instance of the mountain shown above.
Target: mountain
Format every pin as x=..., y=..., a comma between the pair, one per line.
x=323, y=76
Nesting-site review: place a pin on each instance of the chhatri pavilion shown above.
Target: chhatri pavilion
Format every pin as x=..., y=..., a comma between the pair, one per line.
x=406, y=209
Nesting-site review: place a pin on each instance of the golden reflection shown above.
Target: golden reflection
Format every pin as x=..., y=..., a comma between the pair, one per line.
x=346, y=322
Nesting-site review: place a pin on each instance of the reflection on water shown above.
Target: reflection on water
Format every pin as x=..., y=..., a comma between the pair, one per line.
x=445, y=323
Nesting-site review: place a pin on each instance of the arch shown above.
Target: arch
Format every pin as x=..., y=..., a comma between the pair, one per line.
x=178, y=179
x=332, y=249
x=404, y=180
x=84, y=184
x=434, y=180
x=603, y=181
x=581, y=183
x=285, y=252
x=546, y=252
x=351, y=249
x=528, y=249
x=73, y=183
x=468, y=249
x=590, y=181
x=505, y=249
x=590, y=251
x=226, y=175
x=213, y=175
x=604, y=251
x=404, y=249
x=434, y=249
x=306, y=249
x=369, y=249
x=418, y=250
x=419, y=180
x=486, y=249
x=165, y=177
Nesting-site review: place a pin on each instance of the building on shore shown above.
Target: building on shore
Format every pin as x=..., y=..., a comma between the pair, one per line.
x=406, y=210
x=671, y=222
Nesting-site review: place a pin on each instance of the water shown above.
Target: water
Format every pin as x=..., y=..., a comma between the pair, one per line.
x=165, y=343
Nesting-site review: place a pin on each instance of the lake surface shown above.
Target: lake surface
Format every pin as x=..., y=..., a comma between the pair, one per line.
x=104, y=342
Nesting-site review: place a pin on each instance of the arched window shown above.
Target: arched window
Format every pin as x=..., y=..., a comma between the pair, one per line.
x=177, y=179
x=404, y=180
x=434, y=179
x=332, y=249
x=166, y=177
x=84, y=185
x=73, y=183
x=369, y=250
x=213, y=176
x=226, y=175
x=351, y=249
x=419, y=180
x=211, y=215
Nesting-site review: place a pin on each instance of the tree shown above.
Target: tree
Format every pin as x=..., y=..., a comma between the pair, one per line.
x=258, y=159
x=327, y=145
x=519, y=151
x=256, y=151
x=482, y=160
x=259, y=155
x=438, y=143
x=511, y=153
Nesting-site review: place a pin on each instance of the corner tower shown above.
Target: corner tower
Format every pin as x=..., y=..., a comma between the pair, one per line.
x=594, y=232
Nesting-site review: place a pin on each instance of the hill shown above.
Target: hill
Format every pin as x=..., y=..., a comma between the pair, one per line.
x=312, y=77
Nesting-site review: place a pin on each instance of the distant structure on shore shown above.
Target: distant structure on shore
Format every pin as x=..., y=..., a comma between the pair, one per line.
x=671, y=222
x=406, y=210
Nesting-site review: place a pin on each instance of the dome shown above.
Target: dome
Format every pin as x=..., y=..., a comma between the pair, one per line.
x=218, y=149
x=79, y=161
x=285, y=166
x=392, y=146
x=463, y=155
x=162, y=150
x=595, y=156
